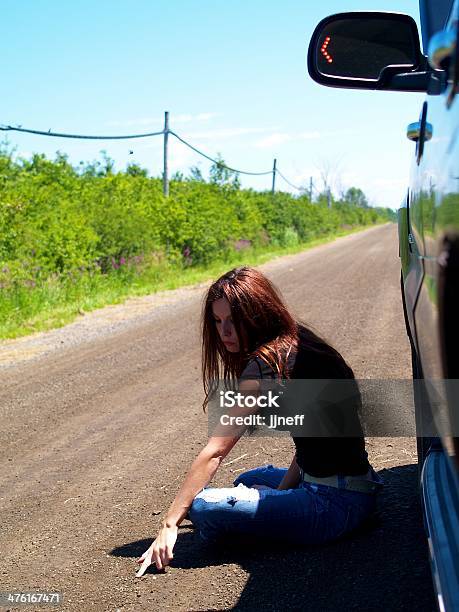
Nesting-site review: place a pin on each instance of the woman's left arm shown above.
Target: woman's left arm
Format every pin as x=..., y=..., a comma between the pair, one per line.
x=291, y=477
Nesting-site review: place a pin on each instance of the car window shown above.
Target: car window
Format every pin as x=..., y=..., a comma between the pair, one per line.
x=434, y=15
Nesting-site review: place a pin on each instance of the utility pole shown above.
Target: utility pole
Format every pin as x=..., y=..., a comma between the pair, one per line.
x=274, y=176
x=310, y=189
x=165, y=170
x=329, y=197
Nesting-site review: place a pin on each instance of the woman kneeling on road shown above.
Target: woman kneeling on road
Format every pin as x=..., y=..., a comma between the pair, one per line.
x=329, y=488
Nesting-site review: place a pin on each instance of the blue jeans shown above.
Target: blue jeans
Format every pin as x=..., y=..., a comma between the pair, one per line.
x=308, y=514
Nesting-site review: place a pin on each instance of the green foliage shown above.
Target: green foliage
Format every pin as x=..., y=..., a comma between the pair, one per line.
x=355, y=197
x=386, y=213
x=56, y=220
x=220, y=175
x=178, y=176
x=196, y=175
x=136, y=170
x=447, y=212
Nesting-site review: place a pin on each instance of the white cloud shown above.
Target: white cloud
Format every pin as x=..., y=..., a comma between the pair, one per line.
x=207, y=116
x=349, y=179
x=281, y=137
x=181, y=118
x=159, y=120
x=189, y=118
x=224, y=133
x=273, y=139
x=181, y=156
x=391, y=182
x=23, y=154
x=141, y=121
x=307, y=135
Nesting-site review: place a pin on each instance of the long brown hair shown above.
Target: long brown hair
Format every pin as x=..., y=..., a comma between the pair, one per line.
x=264, y=326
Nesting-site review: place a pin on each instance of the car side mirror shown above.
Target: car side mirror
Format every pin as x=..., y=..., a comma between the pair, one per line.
x=368, y=50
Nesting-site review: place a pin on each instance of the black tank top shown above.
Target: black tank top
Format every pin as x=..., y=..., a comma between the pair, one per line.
x=318, y=456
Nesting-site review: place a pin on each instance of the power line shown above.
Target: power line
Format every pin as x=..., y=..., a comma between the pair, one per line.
x=288, y=182
x=215, y=161
x=164, y=132
x=7, y=128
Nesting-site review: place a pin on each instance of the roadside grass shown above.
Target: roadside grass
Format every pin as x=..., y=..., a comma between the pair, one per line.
x=58, y=301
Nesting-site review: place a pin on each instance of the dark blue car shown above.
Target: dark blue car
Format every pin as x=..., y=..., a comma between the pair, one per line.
x=383, y=51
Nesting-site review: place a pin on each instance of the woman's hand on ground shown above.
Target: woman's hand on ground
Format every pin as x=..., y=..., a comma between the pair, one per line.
x=160, y=552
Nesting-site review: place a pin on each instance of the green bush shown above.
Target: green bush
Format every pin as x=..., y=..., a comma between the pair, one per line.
x=56, y=219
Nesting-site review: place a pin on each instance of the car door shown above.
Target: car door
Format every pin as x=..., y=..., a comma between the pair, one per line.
x=433, y=210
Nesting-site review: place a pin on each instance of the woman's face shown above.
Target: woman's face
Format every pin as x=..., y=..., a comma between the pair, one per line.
x=225, y=326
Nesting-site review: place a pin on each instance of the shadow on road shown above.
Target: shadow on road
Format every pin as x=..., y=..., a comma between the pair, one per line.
x=382, y=565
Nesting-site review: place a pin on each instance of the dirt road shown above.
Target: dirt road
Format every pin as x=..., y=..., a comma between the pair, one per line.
x=100, y=420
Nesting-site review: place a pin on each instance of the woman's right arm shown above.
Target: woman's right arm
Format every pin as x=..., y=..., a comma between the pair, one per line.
x=206, y=464
x=200, y=474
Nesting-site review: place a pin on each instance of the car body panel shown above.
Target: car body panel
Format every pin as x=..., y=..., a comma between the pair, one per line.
x=428, y=226
x=433, y=210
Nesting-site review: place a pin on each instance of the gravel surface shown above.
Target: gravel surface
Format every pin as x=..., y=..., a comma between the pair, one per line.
x=101, y=419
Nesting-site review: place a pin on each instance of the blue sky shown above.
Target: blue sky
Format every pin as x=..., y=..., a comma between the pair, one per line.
x=231, y=74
